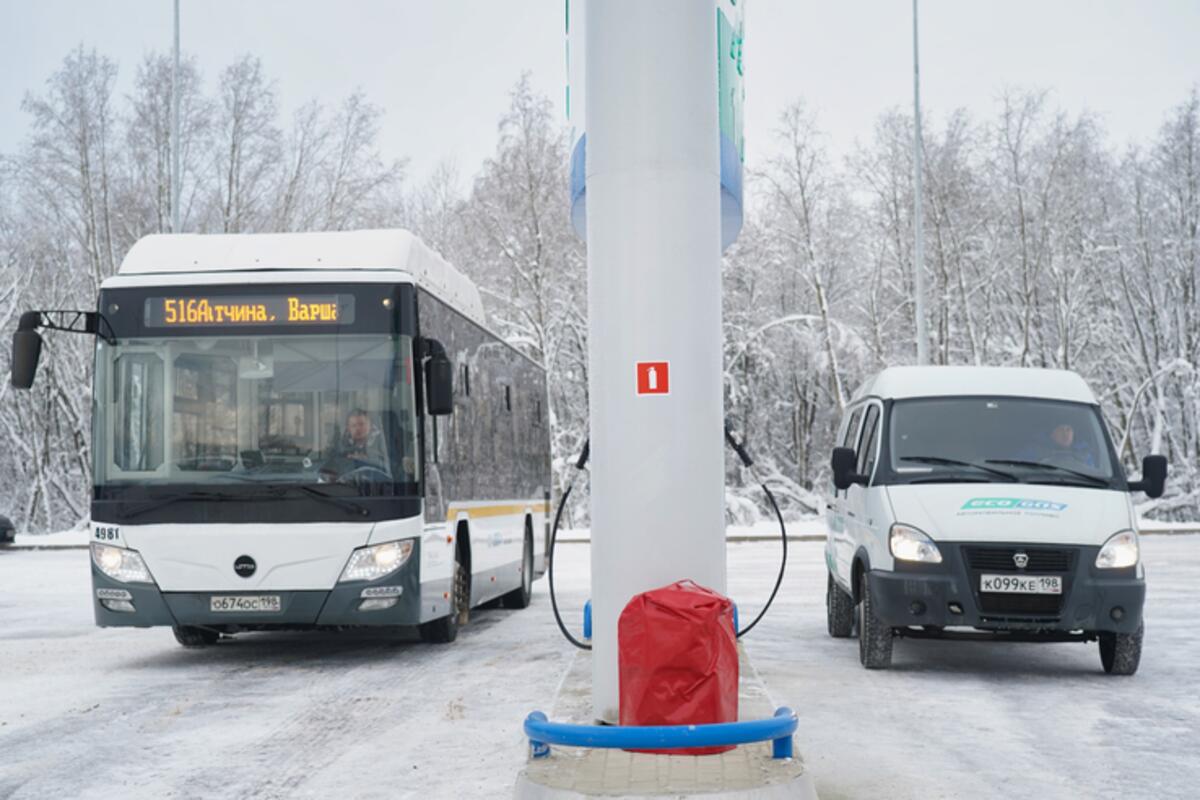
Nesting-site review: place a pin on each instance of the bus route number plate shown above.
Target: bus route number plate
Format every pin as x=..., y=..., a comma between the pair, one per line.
x=235, y=603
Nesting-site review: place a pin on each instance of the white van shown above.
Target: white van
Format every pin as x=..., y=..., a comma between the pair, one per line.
x=983, y=502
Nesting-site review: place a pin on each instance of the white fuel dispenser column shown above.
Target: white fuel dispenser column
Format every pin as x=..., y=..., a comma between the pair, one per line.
x=653, y=217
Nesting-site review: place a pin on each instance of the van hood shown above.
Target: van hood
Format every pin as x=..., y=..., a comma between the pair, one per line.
x=1011, y=512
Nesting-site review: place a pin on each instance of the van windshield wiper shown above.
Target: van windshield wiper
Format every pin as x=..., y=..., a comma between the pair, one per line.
x=1092, y=479
x=953, y=462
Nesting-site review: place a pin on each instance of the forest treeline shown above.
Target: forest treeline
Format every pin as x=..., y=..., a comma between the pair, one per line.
x=1045, y=246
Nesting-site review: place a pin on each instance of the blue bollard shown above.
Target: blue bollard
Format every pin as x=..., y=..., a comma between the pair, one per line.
x=587, y=620
x=537, y=749
x=781, y=747
x=736, y=627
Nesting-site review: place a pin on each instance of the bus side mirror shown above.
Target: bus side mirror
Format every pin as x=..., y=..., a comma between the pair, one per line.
x=1154, y=477
x=843, y=462
x=26, y=350
x=439, y=386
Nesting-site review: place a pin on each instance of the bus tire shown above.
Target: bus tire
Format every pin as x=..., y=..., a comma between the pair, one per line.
x=193, y=637
x=839, y=610
x=874, y=635
x=445, y=629
x=520, y=596
x=1120, y=653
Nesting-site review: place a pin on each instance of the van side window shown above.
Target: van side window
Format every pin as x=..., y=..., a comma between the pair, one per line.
x=851, y=434
x=867, y=446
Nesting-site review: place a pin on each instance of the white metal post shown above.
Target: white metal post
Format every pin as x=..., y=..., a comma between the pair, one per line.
x=176, y=178
x=654, y=296
x=918, y=221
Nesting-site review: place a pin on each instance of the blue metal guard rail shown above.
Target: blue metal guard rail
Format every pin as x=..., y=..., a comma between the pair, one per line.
x=778, y=730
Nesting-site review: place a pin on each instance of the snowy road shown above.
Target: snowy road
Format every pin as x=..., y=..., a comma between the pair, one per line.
x=86, y=712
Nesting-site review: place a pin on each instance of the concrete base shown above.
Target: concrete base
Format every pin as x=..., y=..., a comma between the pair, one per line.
x=747, y=771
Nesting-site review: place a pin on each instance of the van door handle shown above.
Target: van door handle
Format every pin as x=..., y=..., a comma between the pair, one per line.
x=850, y=514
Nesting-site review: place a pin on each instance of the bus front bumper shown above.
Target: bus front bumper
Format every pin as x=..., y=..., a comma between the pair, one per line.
x=361, y=603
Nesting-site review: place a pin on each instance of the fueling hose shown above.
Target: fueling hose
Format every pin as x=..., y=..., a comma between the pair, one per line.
x=747, y=462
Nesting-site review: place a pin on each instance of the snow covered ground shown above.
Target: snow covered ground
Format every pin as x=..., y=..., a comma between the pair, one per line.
x=86, y=712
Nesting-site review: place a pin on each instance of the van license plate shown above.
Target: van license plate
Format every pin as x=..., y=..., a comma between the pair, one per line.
x=265, y=602
x=1021, y=584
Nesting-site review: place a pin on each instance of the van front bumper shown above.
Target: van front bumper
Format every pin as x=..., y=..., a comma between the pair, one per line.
x=948, y=594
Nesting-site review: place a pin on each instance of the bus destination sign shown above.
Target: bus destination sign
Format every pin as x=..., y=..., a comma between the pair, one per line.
x=235, y=310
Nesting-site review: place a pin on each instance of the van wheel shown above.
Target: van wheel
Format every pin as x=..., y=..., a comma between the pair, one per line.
x=445, y=629
x=874, y=637
x=1120, y=653
x=839, y=610
x=191, y=636
x=520, y=596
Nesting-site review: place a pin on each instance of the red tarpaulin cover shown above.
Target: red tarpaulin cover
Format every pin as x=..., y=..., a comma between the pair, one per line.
x=678, y=660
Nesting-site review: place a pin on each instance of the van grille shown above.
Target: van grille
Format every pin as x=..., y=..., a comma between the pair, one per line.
x=1000, y=559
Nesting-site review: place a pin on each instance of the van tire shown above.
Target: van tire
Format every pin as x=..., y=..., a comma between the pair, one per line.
x=839, y=610
x=520, y=596
x=874, y=636
x=192, y=637
x=1120, y=653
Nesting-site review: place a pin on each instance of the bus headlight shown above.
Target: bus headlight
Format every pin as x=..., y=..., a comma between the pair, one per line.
x=120, y=564
x=1121, y=550
x=372, y=563
x=909, y=544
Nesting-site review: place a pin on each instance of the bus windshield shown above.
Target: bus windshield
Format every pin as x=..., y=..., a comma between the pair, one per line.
x=284, y=410
x=998, y=439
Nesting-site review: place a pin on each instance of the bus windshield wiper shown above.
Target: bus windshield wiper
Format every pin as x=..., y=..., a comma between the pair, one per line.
x=1092, y=479
x=953, y=462
x=175, y=498
x=317, y=494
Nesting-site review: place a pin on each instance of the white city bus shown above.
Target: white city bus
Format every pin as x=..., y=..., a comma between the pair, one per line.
x=305, y=430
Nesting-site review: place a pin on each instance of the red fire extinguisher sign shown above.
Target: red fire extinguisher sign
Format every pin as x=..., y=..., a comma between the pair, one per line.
x=653, y=377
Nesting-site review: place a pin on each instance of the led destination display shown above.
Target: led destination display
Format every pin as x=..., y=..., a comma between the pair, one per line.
x=235, y=310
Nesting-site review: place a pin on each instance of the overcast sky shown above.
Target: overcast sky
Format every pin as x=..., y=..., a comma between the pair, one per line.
x=442, y=69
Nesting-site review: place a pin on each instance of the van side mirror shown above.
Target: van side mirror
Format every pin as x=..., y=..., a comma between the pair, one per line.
x=1154, y=477
x=439, y=386
x=26, y=350
x=842, y=463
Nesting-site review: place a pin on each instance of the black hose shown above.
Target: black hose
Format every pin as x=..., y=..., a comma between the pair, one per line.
x=747, y=462
x=740, y=449
x=562, y=503
x=782, y=562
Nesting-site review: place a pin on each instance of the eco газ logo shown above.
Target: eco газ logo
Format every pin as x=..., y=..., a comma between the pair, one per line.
x=1012, y=504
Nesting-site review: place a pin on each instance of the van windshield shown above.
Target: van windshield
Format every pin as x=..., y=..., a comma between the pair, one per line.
x=943, y=439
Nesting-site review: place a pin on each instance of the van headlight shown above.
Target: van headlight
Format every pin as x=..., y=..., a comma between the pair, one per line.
x=909, y=544
x=372, y=563
x=1121, y=550
x=120, y=564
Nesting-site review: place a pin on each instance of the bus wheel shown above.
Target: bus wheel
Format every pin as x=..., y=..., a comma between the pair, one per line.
x=191, y=636
x=445, y=629
x=520, y=596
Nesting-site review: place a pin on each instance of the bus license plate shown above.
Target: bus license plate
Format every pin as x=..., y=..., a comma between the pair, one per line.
x=1021, y=584
x=265, y=602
